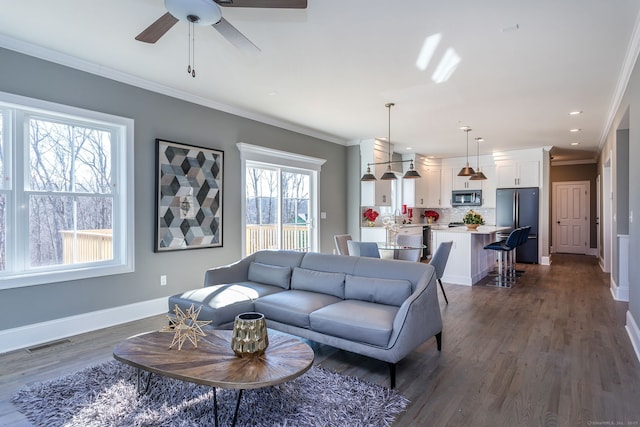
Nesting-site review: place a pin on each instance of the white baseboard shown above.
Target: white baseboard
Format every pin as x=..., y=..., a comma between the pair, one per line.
x=592, y=251
x=38, y=333
x=634, y=333
x=619, y=293
x=545, y=260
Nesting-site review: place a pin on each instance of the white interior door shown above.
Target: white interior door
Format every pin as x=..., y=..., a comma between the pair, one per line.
x=571, y=217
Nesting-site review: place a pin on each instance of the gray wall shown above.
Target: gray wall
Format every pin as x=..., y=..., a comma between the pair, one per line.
x=157, y=116
x=630, y=104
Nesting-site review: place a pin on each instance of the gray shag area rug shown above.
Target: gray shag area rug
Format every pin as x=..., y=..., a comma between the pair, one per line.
x=106, y=395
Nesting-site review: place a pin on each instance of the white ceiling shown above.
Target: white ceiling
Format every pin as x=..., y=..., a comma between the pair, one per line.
x=329, y=70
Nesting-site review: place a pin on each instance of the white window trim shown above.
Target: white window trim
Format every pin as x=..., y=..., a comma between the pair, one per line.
x=256, y=153
x=123, y=179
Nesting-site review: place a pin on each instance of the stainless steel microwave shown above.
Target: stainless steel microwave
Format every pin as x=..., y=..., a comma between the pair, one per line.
x=466, y=198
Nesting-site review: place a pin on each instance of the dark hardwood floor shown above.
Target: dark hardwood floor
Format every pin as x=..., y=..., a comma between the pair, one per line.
x=551, y=351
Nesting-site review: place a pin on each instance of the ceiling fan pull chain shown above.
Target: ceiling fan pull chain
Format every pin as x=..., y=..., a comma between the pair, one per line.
x=193, y=54
x=189, y=40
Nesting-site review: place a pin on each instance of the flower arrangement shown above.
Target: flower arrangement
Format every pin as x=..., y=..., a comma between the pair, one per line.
x=370, y=215
x=473, y=217
x=392, y=228
x=432, y=216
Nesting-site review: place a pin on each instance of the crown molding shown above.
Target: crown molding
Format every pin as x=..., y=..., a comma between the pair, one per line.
x=64, y=59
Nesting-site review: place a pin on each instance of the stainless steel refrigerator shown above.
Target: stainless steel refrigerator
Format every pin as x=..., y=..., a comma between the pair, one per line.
x=518, y=207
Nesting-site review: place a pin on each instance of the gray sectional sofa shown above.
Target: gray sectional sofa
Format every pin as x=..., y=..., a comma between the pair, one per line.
x=378, y=308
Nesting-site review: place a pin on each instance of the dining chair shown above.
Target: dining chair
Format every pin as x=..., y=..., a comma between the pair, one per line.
x=341, y=243
x=439, y=263
x=366, y=249
x=414, y=240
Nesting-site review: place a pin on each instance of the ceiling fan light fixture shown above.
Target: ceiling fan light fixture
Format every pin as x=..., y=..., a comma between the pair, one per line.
x=207, y=12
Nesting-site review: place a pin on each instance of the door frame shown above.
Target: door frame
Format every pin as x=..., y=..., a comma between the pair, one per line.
x=586, y=204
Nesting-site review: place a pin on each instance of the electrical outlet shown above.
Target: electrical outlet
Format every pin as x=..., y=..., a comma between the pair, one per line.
x=163, y=280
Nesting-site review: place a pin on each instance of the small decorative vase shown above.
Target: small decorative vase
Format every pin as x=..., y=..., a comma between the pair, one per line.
x=472, y=226
x=371, y=223
x=429, y=220
x=249, y=336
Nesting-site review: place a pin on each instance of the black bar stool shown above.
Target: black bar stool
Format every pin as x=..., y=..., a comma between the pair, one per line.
x=505, y=250
x=524, y=236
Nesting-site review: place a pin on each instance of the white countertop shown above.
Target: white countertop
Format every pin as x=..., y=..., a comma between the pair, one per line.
x=483, y=229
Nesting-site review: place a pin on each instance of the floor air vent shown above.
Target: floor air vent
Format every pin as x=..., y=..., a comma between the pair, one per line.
x=47, y=345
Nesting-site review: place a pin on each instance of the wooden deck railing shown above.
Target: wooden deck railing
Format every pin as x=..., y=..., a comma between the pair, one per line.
x=96, y=245
x=92, y=245
x=265, y=236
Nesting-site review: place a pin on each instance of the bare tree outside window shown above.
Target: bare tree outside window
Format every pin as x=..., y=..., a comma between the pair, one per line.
x=277, y=209
x=69, y=190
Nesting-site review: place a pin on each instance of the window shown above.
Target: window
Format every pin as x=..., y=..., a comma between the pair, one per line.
x=65, y=206
x=280, y=206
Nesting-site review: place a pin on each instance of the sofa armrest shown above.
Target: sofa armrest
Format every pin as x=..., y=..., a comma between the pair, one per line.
x=231, y=273
x=419, y=316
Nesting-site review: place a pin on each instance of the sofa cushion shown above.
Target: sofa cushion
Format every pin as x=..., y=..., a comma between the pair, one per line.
x=270, y=274
x=381, y=291
x=355, y=320
x=303, y=279
x=220, y=303
x=293, y=307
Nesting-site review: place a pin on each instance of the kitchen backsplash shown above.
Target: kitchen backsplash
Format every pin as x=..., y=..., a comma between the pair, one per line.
x=447, y=215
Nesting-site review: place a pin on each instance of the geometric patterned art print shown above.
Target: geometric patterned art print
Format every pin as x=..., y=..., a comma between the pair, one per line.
x=189, y=197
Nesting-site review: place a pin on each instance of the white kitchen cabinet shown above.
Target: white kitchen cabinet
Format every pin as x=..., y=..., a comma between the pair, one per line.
x=423, y=192
x=373, y=234
x=446, y=187
x=510, y=173
x=375, y=193
x=432, y=180
x=463, y=182
x=489, y=187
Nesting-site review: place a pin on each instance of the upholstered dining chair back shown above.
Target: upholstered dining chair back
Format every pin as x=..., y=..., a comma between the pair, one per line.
x=414, y=240
x=368, y=249
x=341, y=243
x=439, y=263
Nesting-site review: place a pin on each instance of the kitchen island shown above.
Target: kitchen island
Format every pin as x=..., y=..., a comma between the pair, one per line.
x=468, y=261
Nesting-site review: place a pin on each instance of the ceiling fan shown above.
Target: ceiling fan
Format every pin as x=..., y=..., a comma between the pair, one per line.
x=207, y=12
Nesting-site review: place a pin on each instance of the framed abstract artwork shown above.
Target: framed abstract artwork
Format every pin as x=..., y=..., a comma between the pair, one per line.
x=188, y=197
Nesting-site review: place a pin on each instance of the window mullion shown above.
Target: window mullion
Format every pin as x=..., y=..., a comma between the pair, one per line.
x=19, y=241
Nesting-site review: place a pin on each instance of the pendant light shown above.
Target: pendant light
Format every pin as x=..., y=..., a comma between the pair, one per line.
x=411, y=173
x=368, y=176
x=467, y=170
x=389, y=175
x=478, y=176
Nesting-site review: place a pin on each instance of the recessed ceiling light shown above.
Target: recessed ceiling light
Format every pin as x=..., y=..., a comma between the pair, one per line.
x=409, y=148
x=575, y=113
x=575, y=143
x=273, y=93
x=575, y=130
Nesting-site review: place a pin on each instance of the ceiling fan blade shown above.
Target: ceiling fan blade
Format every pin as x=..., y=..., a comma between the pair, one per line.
x=235, y=37
x=156, y=30
x=278, y=4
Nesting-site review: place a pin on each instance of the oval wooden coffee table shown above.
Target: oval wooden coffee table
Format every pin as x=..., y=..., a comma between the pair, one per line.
x=214, y=364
